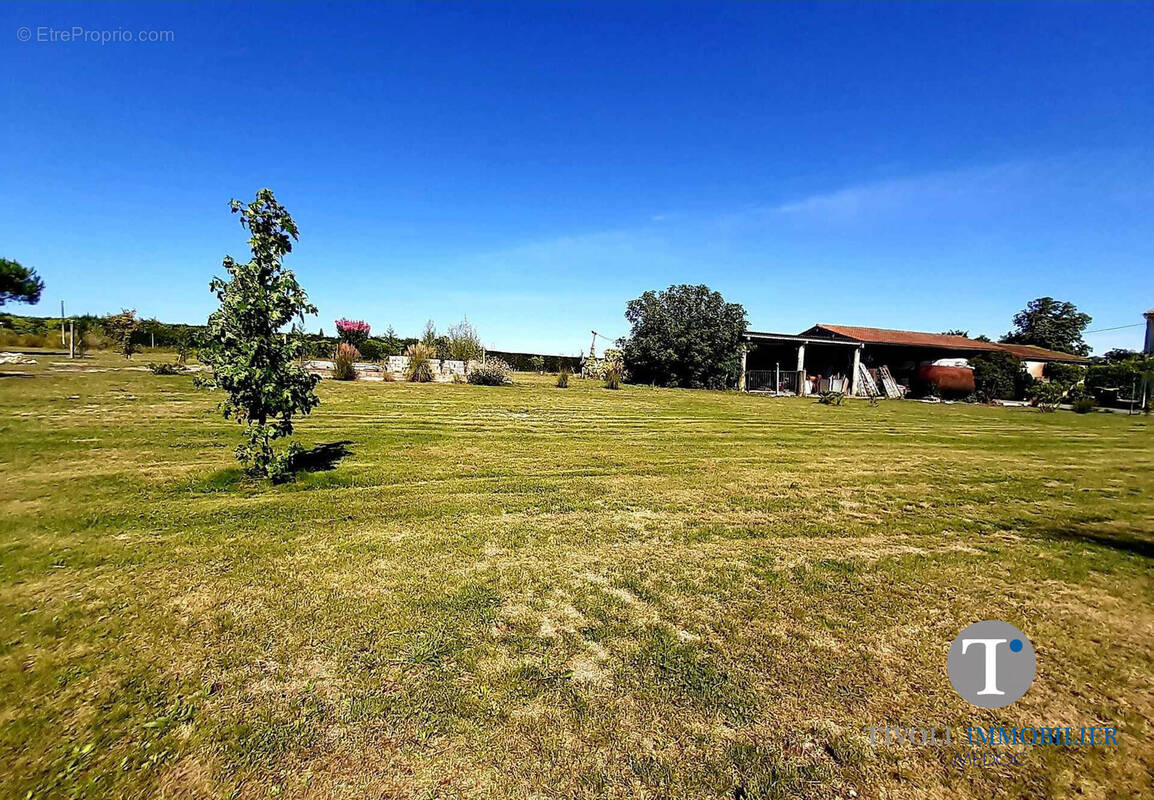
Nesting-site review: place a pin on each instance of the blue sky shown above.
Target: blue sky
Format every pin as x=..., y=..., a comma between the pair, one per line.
x=534, y=166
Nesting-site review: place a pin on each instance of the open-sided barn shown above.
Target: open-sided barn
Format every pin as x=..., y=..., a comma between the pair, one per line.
x=872, y=361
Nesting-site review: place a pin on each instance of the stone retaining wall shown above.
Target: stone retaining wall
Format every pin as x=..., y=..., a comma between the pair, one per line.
x=443, y=370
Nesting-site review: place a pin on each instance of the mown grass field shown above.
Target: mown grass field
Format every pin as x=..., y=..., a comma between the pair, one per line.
x=531, y=592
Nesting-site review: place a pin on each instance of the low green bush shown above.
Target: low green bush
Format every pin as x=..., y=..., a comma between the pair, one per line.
x=165, y=368
x=372, y=350
x=1047, y=396
x=831, y=398
x=563, y=378
x=1084, y=405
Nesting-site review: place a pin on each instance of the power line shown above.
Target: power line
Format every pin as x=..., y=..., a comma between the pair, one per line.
x=1099, y=330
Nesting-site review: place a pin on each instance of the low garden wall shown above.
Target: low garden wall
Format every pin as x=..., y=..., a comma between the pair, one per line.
x=396, y=368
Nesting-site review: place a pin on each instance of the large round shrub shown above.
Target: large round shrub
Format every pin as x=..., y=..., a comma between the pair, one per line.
x=685, y=336
x=999, y=375
x=493, y=372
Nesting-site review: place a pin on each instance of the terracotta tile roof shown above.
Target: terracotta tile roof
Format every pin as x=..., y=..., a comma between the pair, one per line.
x=940, y=340
x=910, y=338
x=1029, y=352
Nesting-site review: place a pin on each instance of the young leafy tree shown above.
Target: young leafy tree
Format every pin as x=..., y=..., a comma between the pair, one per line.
x=1053, y=324
x=392, y=343
x=185, y=344
x=19, y=283
x=464, y=342
x=120, y=329
x=252, y=360
x=685, y=336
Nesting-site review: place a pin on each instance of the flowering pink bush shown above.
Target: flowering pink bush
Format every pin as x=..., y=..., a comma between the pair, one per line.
x=353, y=331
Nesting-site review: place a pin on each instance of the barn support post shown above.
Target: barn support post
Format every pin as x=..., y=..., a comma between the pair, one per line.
x=744, y=350
x=800, y=370
x=853, y=376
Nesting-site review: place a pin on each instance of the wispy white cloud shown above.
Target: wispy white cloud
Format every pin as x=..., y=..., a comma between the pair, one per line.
x=975, y=190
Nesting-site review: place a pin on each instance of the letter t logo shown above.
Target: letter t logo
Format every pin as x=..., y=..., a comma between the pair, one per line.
x=991, y=646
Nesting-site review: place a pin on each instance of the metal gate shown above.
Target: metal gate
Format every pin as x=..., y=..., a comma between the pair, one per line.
x=774, y=381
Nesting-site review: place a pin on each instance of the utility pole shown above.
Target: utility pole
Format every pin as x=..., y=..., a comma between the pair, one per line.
x=1148, y=351
x=72, y=340
x=61, y=323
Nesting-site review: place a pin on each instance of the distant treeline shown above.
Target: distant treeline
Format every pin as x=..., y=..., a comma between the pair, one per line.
x=22, y=331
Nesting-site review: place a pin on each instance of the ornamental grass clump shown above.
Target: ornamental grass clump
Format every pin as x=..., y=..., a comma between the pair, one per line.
x=563, y=378
x=420, y=357
x=493, y=372
x=613, y=376
x=344, y=361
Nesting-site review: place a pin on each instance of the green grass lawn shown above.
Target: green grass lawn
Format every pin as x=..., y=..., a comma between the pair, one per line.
x=533, y=592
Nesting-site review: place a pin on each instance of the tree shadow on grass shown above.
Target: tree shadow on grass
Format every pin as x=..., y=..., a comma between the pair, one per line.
x=322, y=458
x=1126, y=538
